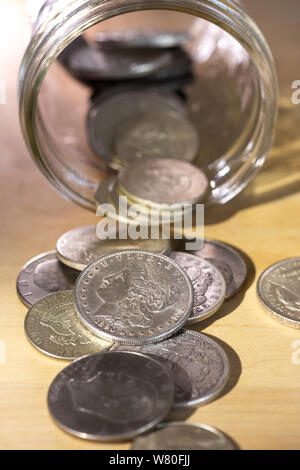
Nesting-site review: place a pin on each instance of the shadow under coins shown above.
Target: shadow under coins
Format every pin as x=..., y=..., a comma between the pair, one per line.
x=233, y=303
x=183, y=414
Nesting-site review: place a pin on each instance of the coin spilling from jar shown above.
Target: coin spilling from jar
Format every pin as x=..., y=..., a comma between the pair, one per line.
x=121, y=308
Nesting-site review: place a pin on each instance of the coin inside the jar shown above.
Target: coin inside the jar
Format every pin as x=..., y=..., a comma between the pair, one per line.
x=180, y=65
x=111, y=111
x=44, y=275
x=278, y=289
x=111, y=396
x=208, y=284
x=144, y=38
x=92, y=64
x=53, y=327
x=161, y=134
x=184, y=436
x=139, y=214
x=80, y=246
x=134, y=297
x=164, y=181
x=199, y=366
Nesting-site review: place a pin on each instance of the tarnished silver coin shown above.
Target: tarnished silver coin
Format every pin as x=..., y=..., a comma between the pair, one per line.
x=199, y=366
x=52, y=326
x=134, y=297
x=228, y=261
x=93, y=64
x=111, y=396
x=180, y=65
x=279, y=289
x=144, y=38
x=184, y=436
x=163, y=181
x=44, y=275
x=77, y=44
x=109, y=112
x=129, y=212
x=208, y=284
x=162, y=134
x=80, y=246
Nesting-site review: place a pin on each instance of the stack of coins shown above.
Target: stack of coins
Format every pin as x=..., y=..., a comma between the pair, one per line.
x=124, y=320
x=154, y=188
x=127, y=56
x=129, y=123
x=137, y=107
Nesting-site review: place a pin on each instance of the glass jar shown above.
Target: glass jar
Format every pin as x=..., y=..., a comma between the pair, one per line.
x=232, y=99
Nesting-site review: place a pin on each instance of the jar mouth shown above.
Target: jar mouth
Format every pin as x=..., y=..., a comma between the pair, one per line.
x=64, y=21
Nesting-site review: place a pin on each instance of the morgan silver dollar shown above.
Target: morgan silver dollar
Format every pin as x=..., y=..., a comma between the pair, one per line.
x=279, y=289
x=208, y=284
x=134, y=297
x=80, y=246
x=199, y=366
x=228, y=261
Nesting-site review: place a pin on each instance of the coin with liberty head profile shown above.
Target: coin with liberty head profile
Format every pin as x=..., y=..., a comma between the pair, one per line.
x=200, y=367
x=208, y=284
x=111, y=396
x=134, y=297
x=228, y=261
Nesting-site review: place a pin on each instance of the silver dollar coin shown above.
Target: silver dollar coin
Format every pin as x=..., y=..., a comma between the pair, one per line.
x=108, y=113
x=164, y=181
x=183, y=436
x=53, y=327
x=134, y=297
x=133, y=213
x=228, y=261
x=180, y=65
x=111, y=396
x=144, y=38
x=164, y=134
x=199, y=366
x=92, y=64
x=208, y=284
x=279, y=289
x=80, y=246
x=44, y=275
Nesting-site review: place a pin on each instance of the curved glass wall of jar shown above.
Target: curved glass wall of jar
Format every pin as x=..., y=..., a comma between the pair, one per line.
x=224, y=80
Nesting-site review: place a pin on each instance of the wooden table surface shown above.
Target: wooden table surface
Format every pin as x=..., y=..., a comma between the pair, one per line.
x=260, y=408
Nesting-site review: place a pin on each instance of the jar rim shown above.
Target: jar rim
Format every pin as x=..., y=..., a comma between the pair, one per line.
x=74, y=18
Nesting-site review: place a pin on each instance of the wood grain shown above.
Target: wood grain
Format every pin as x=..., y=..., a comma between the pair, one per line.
x=260, y=408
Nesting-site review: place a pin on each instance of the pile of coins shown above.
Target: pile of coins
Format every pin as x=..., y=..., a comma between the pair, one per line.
x=137, y=106
x=153, y=187
x=123, y=322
